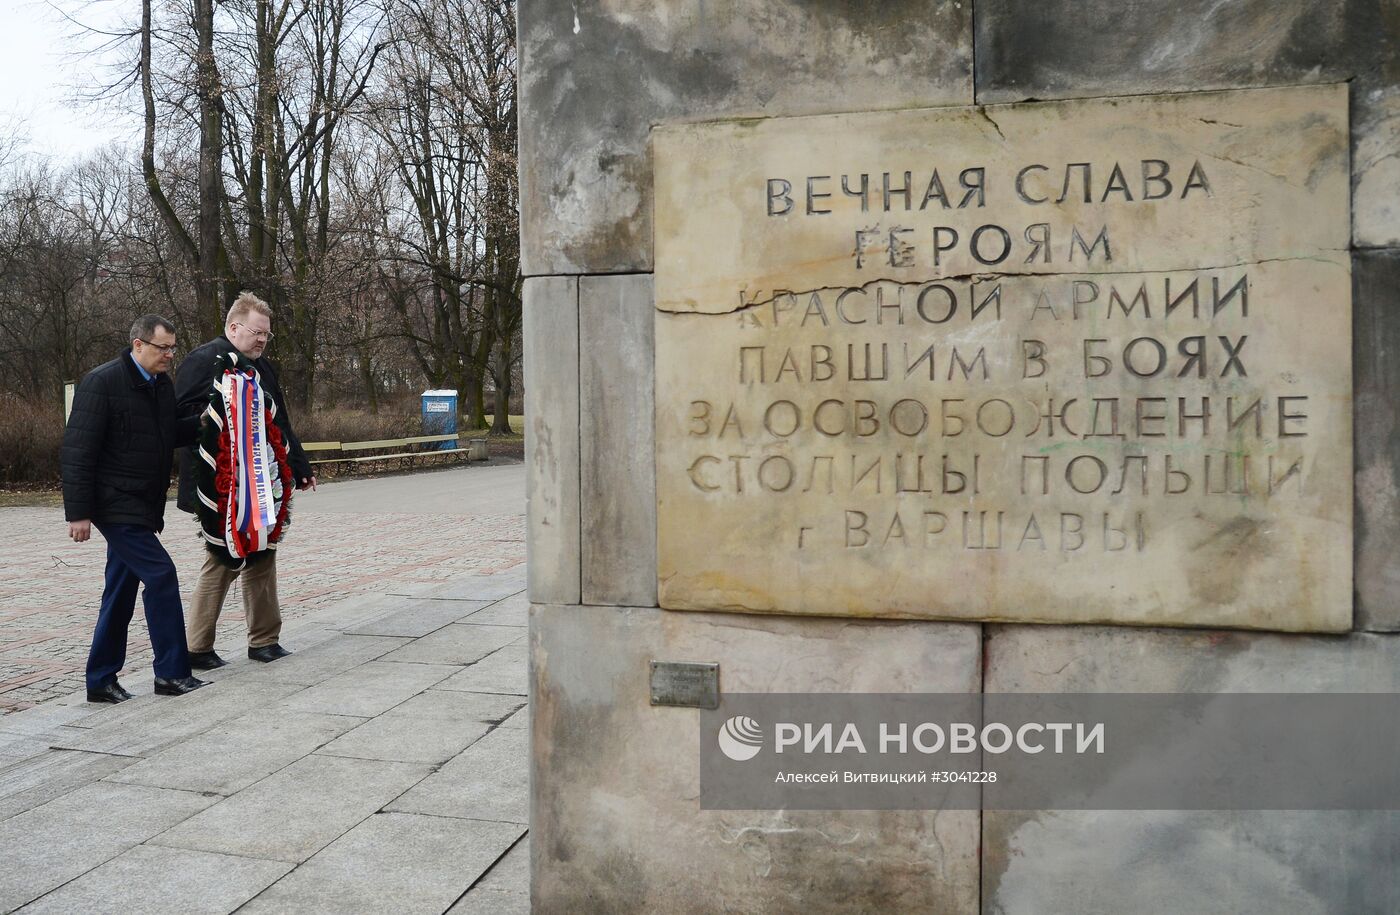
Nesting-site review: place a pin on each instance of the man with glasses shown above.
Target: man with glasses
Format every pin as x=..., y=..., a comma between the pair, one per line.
x=248, y=329
x=117, y=450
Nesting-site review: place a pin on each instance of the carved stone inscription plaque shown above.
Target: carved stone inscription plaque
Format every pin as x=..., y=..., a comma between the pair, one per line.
x=1083, y=361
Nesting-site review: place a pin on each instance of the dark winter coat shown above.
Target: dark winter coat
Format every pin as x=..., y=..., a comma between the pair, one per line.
x=119, y=444
x=192, y=385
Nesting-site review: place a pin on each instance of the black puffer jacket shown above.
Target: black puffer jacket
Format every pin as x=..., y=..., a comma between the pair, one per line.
x=119, y=445
x=192, y=398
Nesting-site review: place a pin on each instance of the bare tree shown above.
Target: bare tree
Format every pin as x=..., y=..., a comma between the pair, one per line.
x=446, y=105
x=353, y=161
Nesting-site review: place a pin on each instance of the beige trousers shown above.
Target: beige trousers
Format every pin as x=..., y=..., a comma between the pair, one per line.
x=260, y=606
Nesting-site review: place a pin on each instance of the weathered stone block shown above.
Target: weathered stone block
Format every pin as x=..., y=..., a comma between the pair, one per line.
x=874, y=379
x=616, y=824
x=1072, y=49
x=1197, y=861
x=1089, y=659
x=617, y=378
x=551, y=437
x=594, y=77
x=1104, y=862
x=1376, y=325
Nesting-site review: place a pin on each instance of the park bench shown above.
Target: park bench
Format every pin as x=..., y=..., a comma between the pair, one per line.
x=405, y=450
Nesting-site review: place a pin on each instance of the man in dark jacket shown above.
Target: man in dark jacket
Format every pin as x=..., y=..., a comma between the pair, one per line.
x=117, y=453
x=248, y=329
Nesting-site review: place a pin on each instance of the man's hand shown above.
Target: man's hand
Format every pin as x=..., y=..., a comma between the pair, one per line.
x=307, y=483
x=80, y=531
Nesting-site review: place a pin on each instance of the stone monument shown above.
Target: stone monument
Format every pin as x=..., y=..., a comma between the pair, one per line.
x=952, y=347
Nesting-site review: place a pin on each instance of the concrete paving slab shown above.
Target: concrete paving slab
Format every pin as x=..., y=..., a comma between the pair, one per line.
x=334, y=656
x=416, y=590
x=491, y=902
x=408, y=739
x=392, y=862
x=237, y=663
x=510, y=611
x=140, y=684
x=43, y=718
x=19, y=747
x=481, y=587
x=317, y=632
x=460, y=643
x=511, y=874
x=519, y=721
x=151, y=880
x=234, y=755
x=294, y=814
x=502, y=671
x=418, y=618
x=429, y=728
x=490, y=708
x=489, y=780
x=369, y=689
x=51, y=844
x=364, y=607
x=28, y=783
x=504, y=889
x=142, y=726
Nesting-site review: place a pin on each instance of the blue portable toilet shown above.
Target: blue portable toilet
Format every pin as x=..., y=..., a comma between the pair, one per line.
x=440, y=416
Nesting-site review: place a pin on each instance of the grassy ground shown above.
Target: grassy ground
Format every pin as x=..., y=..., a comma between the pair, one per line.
x=21, y=498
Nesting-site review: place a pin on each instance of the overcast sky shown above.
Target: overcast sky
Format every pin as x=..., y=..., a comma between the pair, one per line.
x=39, y=72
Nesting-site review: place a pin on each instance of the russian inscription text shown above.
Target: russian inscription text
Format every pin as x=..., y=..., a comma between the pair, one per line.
x=1091, y=365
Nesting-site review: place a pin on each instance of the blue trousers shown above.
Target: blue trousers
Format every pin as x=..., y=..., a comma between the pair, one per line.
x=136, y=557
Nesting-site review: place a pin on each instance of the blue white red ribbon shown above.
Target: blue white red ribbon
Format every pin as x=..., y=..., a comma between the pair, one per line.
x=251, y=511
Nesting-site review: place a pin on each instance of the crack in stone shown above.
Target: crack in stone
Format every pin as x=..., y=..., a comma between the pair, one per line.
x=980, y=277
x=1256, y=168
x=990, y=120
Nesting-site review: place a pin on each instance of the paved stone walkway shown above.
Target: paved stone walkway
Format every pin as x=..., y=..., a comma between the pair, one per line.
x=346, y=539
x=383, y=767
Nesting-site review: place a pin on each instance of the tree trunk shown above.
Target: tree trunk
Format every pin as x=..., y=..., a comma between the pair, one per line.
x=211, y=146
x=367, y=378
x=500, y=373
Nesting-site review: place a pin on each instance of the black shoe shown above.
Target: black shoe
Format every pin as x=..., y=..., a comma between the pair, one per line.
x=177, y=687
x=112, y=693
x=268, y=653
x=206, y=660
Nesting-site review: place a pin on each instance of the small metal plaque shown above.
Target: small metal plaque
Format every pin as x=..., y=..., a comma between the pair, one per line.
x=685, y=684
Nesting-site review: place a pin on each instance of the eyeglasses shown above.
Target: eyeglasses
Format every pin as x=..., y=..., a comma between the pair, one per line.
x=165, y=348
x=257, y=334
